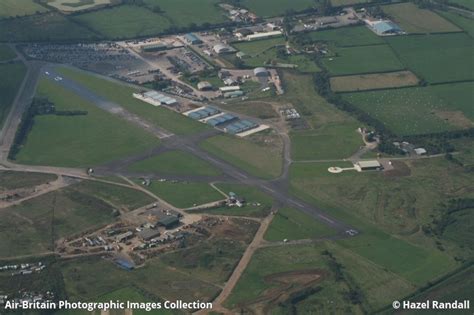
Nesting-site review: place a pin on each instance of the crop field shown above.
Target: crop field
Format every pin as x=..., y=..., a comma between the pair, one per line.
x=256, y=159
x=415, y=20
x=44, y=27
x=254, y=48
x=418, y=110
x=79, y=141
x=293, y=224
x=31, y=227
x=6, y=53
x=331, y=141
x=436, y=58
x=122, y=198
x=15, y=72
x=14, y=180
x=465, y=3
x=347, y=36
x=463, y=22
x=68, y=6
x=92, y=277
x=374, y=81
x=175, y=163
x=185, y=194
x=124, y=21
x=122, y=95
x=182, y=13
x=257, y=204
x=16, y=8
x=364, y=59
x=268, y=8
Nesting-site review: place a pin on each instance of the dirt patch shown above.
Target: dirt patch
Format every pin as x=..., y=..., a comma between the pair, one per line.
x=455, y=118
x=400, y=169
x=236, y=229
x=364, y=82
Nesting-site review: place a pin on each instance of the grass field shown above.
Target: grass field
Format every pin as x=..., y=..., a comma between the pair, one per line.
x=15, y=8
x=254, y=48
x=419, y=110
x=79, y=141
x=185, y=194
x=14, y=180
x=31, y=227
x=12, y=76
x=6, y=53
x=347, y=36
x=124, y=21
x=175, y=163
x=364, y=59
x=182, y=13
x=412, y=19
x=463, y=22
x=293, y=224
x=331, y=141
x=44, y=27
x=436, y=58
x=267, y=8
x=336, y=3
x=122, y=198
x=465, y=3
x=301, y=62
x=373, y=81
x=256, y=159
x=257, y=204
x=122, y=95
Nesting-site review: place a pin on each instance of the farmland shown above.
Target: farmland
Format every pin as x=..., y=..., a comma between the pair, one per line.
x=185, y=194
x=418, y=110
x=346, y=36
x=363, y=59
x=14, y=180
x=415, y=20
x=122, y=95
x=265, y=162
x=254, y=48
x=44, y=27
x=175, y=163
x=436, y=58
x=336, y=3
x=301, y=62
x=464, y=3
x=15, y=73
x=6, y=53
x=68, y=6
x=15, y=8
x=373, y=81
x=268, y=8
x=463, y=22
x=82, y=140
x=124, y=21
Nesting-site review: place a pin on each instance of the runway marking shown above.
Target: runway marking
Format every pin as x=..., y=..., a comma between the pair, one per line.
x=269, y=189
x=296, y=203
x=325, y=218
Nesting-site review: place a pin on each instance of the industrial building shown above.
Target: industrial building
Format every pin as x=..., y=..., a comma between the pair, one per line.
x=192, y=39
x=232, y=88
x=204, y=86
x=233, y=94
x=264, y=35
x=123, y=237
x=168, y=221
x=260, y=72
x=373, y=165
x=148, y=234
x=154, y=47
x=203, y=113
x=222, y=49
x=240, y=126
x=386, y=27
x=154, y=98
x=226, y=118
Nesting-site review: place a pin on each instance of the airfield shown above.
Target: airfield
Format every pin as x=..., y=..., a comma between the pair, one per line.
x=266, y=161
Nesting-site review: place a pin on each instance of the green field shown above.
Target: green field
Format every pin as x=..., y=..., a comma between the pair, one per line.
x=6, y=53
x=465, y=3
x=32, y=226
x=336, y=3
x=258, y=160
x=363, y=59
x=346, y=36
x=120, y=197
x=79, y=141
x=254, y=48
x=419, y=110
x=124, y=21
x=293, y=224
x=182, y=13
x=328, y=142
x=12, y=76
x=44, y=27
x=436, y=58
x=16, y=8
x=412, y=19
x=175, y=163
x=257, y=203
x=122, y=95
x=267, y=8
x=15, y=180
x=463, y=22
x=185, y=194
